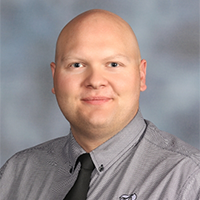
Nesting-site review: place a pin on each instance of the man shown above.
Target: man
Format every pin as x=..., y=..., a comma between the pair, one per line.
x=98, y=75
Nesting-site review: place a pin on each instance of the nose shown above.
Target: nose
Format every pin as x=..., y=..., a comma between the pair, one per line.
x=95, y=78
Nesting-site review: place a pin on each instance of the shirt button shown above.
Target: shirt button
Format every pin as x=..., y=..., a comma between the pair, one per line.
x=101, y=168
x=71, y=170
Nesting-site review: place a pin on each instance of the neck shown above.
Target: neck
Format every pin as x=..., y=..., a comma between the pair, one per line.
x=90, y=140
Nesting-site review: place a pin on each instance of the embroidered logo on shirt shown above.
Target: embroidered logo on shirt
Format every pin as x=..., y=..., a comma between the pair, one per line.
x=128, y=197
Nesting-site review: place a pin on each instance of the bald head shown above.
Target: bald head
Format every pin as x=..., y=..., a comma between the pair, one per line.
x=98, y=76
x=97, y=23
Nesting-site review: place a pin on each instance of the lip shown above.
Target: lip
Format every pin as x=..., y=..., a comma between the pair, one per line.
x=96, y=100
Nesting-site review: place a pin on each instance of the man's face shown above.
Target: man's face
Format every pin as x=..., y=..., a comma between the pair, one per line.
x=98, y=79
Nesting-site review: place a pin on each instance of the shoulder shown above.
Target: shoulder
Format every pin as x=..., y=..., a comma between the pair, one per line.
x=181, y=160
x=52, y=146
x=170, y=143
x=47, y=152
x=177, y=155
x=176, y=152
x=28, y=170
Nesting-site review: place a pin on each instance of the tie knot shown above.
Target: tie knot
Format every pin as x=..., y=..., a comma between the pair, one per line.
x=86, y=161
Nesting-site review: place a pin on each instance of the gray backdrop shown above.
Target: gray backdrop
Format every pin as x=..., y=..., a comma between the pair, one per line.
x=168, y=35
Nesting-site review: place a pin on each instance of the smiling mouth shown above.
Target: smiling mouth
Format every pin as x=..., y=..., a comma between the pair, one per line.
x=96, y=100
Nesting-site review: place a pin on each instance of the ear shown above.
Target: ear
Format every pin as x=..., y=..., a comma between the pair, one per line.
x=53, y=68
x=143, y=66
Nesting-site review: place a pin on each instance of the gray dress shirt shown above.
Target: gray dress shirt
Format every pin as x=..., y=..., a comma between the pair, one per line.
x=139, y=163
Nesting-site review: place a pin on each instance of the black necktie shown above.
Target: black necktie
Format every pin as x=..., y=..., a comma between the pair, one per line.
x=80, y=188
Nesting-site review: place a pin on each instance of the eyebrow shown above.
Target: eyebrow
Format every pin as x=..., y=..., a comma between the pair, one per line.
x=117, y=56
x=112, y=57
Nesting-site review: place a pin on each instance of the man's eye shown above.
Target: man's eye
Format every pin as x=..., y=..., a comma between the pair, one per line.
x=113, y=64
x=77, y=65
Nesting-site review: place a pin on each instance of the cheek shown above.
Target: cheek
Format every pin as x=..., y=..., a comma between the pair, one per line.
x=64, y=84
x=127, y=85
x=66, y=93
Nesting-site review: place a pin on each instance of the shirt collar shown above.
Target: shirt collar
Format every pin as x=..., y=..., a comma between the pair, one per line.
x=75, y=150
x=113, y=148
x=116, y=146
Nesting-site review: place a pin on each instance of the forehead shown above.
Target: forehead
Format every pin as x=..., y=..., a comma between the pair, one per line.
x=96, y=32
x=94, y=46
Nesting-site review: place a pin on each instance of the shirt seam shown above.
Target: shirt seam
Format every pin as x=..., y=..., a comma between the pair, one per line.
x=187, y=182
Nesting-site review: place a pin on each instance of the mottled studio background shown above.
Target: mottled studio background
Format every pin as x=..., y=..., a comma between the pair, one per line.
x=168, y=35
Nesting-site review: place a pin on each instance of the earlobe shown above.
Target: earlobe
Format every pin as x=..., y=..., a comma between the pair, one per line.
x=53, y=67
x=143, y=66
x=52, y=90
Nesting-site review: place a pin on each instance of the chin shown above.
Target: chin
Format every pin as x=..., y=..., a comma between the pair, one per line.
x=98, y=123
